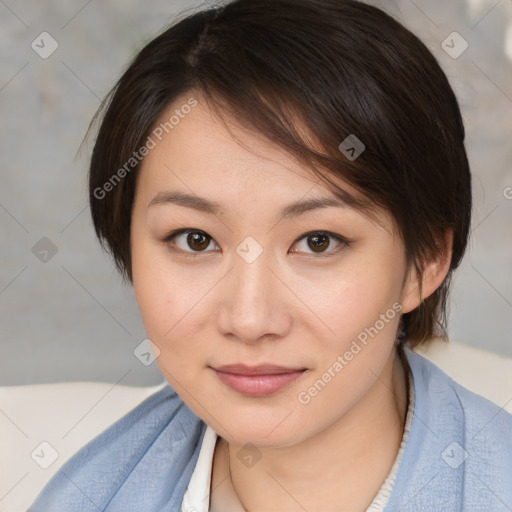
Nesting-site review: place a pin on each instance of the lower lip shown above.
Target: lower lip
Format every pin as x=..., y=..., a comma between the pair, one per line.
x=258, y=385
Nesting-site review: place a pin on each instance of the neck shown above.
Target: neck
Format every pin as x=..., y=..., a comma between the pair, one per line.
x=345, y=464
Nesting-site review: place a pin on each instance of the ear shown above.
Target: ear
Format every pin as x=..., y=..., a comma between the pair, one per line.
x=434, y=272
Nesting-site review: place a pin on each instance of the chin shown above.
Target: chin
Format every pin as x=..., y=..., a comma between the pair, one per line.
x=264, y=431
x=256, y=437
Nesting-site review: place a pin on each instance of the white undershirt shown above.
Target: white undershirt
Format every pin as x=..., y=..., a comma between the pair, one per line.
x=197, y=495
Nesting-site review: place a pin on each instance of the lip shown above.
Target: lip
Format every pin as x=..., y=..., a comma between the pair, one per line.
x=261, y=369
x=261, y=380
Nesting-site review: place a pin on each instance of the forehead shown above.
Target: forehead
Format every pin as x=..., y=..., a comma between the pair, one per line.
x=199, y=148
x=197, y=155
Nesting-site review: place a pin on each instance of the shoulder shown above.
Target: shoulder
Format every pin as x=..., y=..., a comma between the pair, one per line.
x=458, y=454
x=440, y=392
x=153, y=447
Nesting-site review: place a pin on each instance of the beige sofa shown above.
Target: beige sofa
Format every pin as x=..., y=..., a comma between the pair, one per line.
x=42, y=426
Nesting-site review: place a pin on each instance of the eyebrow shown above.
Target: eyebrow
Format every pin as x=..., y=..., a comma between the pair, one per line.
x=213, y=208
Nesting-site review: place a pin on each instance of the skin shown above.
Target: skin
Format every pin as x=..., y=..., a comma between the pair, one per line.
x=292, y=306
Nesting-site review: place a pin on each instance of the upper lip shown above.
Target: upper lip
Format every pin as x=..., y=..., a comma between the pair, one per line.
x=262, y=369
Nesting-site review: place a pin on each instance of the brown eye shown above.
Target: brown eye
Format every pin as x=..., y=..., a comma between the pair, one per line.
x=198, y=241
x=318, y=243
x=188, y=241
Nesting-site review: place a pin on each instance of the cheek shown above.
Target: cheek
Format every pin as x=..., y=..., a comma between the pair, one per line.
x=362, y=313
x=160, y=297
x=172, y=302
x=354, y=299
x=150, y=293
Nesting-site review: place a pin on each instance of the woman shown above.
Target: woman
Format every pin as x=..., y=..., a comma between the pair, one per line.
x=285, y=184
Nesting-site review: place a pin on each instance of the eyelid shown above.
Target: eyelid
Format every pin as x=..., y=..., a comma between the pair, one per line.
x=343, y=241
x=177, y=232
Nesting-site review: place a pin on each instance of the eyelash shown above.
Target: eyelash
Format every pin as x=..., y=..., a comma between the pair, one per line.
x=344, y=242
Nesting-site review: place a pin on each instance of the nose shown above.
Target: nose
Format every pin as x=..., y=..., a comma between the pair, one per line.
x=253, y=304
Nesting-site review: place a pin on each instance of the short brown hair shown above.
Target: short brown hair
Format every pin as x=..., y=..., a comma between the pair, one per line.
x=342, y=68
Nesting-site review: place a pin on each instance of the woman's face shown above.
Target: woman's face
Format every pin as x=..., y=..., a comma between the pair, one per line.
x=253, y=281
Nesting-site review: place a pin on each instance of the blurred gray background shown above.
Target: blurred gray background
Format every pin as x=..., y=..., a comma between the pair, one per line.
x=64, y=313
